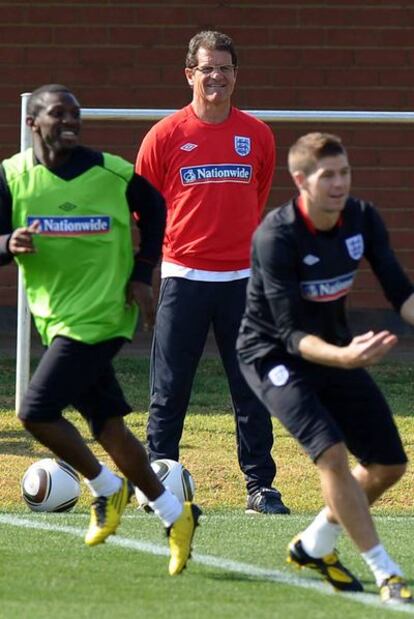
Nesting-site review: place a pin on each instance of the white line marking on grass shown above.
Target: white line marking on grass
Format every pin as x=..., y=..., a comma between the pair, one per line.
x=220, y=563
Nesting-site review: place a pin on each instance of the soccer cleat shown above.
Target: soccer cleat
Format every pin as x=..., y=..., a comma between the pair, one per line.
x=106, y=512
x=266, y=501
x=329, y=566
x=394, y=590
x=180, y=535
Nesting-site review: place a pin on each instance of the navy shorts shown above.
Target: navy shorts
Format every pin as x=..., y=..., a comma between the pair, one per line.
x=77, y=374
x=321, y=406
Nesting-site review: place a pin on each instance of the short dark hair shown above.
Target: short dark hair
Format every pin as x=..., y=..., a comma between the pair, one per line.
x=209, y=39
x=305, y=153
x=35, y=102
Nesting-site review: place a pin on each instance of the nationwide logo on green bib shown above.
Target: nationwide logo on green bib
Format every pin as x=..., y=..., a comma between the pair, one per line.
x=72, y=226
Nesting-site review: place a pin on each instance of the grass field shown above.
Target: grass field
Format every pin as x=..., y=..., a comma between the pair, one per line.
x=238, y=567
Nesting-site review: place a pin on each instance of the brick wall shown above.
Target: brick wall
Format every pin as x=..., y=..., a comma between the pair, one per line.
x=349, y=54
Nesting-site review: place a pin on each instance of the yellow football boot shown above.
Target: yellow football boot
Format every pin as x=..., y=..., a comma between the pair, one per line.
x=180, y=535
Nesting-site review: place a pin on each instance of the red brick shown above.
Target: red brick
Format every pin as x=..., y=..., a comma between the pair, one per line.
x=354, y=75
x=310, y=37
x=285, y=16
x=378, y=99
x=250, y=35
x=402, y=157
x=12, y=55
x=51, y=55
x=270, y=98
x=160, y=56
x=380, y=57
x=137, y=75
x=296, y=76
x=13, y=14
x=326, y=57
x=166, y=14
x=397, y=37
x=84, y=15
x=398, y=218
x=403, y=198
x=117, y=56
x=173, y=35
x=75, y=76
x=25, y=35
x=13, y=74
x=399, y=78
x=77, y=36
x=135, y=35
x=269, y=57
x=352, y=37
x=348, y=18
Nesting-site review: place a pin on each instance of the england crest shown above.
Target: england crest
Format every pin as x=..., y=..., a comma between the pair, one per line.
x=242, y=145
x=355, y=246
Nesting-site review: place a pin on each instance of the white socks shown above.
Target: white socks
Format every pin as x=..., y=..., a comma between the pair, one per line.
x=381, y=564
x=105, y=484
x=167, y=507
x=320, y=538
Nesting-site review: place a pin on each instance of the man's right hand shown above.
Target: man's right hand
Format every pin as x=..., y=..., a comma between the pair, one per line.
x=21, y=239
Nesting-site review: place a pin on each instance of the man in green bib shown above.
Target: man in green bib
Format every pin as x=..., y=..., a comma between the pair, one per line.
x=65, y=218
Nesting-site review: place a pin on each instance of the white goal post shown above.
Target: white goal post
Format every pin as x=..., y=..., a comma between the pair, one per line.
x=270, y=116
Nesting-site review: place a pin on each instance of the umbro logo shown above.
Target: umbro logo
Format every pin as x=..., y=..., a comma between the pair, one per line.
x=188, y=147
x=67, y=206
x=310, y=260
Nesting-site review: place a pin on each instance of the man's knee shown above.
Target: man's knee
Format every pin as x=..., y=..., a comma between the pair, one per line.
x=334, y=460
x=112, y=431
x=385, y=475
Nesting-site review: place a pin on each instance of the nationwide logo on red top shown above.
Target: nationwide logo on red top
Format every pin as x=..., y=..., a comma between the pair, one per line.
x=216, y=173
x=72, y=226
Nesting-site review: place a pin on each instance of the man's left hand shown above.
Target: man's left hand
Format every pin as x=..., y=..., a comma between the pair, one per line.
x=144, y=296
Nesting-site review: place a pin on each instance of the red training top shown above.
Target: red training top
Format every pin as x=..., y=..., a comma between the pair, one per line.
x=215, y=179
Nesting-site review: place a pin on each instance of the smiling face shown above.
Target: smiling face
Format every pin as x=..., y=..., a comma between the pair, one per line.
x=215, y=87
x=56, y=126
x=325, y=189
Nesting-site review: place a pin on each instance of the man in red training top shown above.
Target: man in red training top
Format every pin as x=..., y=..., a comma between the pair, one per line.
x=214, y=165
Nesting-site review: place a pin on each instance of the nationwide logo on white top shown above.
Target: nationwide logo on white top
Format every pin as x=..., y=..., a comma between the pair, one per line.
x=310, y=260
x=216, y=173
x=188, y=147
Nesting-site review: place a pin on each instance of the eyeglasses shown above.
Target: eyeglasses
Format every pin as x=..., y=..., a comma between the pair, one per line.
x=207, y=69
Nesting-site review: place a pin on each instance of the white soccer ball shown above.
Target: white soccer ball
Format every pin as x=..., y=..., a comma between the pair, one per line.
x=50, y=485
x=175, y=477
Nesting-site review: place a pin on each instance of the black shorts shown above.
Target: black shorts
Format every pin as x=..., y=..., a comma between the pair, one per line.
x=321, y=406
x=77, y=374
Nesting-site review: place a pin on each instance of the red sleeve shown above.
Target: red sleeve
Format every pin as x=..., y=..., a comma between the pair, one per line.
x=149, y=162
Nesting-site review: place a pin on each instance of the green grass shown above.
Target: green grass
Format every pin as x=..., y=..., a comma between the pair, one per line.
x=51, y=573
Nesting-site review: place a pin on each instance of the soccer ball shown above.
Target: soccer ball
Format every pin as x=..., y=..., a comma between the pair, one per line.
x=175, y=477
x=50, y=485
